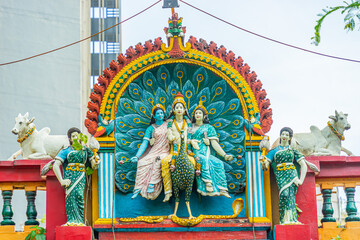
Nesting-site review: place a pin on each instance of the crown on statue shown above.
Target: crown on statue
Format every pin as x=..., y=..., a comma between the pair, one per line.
x=179, y=98
x=202, y=107
x=158, y=106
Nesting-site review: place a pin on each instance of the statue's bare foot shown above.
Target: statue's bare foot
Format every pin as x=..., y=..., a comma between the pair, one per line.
x=172, y=215
x=167, y=197
x=191, y=217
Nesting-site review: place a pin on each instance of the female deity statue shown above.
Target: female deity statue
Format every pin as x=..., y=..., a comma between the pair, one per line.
x=148, y=180
x=179, y=121
x=212, y=180
x=282, y=160
x=75, y=162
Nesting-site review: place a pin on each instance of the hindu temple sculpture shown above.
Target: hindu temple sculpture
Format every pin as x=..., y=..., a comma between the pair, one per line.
x=282, y=159
x=148, y=182
x=180, y=162
x=36, y=144
x=210, y=155
x=179, y=127
x=212, y=180
x=327, y=141
x=77, y=161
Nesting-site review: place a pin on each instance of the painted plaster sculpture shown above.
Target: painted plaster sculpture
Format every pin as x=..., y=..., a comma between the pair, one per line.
x=182, y=175
x=254, y=125
x=212, y=180
x=77, y=160
x=178, y=160
x=36, y=144
x=283, y=159
x=134, y=115
x=105, y=128
x=326, y=141
x=148, y=182
x=175, y=27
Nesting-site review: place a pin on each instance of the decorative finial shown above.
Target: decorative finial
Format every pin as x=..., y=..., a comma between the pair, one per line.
x=171, y=4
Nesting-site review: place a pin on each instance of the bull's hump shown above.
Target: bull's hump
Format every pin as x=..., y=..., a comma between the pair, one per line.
x=314, y=129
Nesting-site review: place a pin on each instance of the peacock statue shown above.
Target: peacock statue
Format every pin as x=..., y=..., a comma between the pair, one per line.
x=183, y=176
x=160, y=85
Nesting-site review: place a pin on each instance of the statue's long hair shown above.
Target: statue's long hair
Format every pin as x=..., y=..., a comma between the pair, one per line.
x=205, y=118
x=289, y=130
x=70, y=131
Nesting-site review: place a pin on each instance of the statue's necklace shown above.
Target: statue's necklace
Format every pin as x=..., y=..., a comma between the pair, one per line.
x=339, y=135
x=177, y=127
x=20, y=140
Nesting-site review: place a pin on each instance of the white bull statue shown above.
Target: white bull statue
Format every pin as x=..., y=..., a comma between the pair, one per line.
x=325, y=142
x=36, y=144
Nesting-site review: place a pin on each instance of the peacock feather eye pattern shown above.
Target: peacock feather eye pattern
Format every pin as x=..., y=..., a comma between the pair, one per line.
x=160, y=85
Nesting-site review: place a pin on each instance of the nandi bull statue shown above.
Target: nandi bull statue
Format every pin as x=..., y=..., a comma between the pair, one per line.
x=36, y=144
x=324, y=142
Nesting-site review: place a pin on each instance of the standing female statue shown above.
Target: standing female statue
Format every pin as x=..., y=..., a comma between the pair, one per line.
x=212, y=180
x=148, y=180
x=282, y=160
x=74, y=164
x=179, y=122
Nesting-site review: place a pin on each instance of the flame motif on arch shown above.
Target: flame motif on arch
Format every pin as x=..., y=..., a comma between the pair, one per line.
x=133, y=53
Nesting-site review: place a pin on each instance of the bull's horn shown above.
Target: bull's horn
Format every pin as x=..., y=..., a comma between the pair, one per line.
x=26, y=115
x=30, y=121
x=336, y=113
x=332, y=117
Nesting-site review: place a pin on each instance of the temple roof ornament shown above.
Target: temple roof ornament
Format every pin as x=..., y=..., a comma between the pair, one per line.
x=129, y=66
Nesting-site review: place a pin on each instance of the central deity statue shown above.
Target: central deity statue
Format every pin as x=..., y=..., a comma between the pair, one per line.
x=178, y=124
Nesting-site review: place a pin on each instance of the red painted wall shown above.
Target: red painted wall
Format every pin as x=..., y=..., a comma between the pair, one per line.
x=306, y=200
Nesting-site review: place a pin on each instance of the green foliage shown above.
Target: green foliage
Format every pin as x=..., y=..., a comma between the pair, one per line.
x=89, y=171
x=298, y=210
x=337, y=238
x=43, y=219
x=39, y=233
x=351, y=19
x=77, y=144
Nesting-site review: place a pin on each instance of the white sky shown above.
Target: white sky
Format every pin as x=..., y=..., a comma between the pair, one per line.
x=303, y=88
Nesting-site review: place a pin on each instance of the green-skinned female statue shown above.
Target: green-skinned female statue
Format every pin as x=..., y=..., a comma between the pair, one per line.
x=282, y=159
x=77, y=160
x=212, y=180
x=155, y=146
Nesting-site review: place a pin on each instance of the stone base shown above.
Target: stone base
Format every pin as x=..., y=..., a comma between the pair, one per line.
x=73, y=233
x=292, y=232
x=209, y=229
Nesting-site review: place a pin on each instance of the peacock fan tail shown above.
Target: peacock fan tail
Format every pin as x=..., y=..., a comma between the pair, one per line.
x=160, y=85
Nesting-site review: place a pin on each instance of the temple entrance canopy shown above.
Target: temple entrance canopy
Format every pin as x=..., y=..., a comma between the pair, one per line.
x=121, y=107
